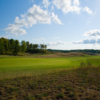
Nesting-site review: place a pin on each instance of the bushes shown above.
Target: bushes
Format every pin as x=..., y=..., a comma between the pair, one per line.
x=82, y=64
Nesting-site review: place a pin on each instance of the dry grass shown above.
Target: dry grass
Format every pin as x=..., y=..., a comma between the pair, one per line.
x=51, y=55
x=77, y=84
x=55, y=55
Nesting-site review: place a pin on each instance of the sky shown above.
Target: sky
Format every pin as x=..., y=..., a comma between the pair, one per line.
x=60, y=24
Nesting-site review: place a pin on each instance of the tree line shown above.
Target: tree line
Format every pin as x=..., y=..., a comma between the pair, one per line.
x=87, y=51
x=11, y=46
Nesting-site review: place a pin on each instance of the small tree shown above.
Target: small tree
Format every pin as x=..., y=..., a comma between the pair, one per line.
x=12, y=45
x=27, y=45
x=17, y=48
x=31, y=46
x=6, y=45
x=35, y=46
x=82, y=64
x=45, y=46
x=42, y=46
x=23, y=47
x=2, y=48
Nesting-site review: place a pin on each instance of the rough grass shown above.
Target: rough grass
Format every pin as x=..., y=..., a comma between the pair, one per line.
x=76, y=84
x=48, y=55
x=55, y=55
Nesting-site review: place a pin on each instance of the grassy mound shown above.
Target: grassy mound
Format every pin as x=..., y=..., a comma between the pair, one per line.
x=77, y=84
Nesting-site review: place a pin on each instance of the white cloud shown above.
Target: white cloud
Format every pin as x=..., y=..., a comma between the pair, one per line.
x=22, y=15
x=94, y=33
x=34, y=14
x=88, y=10
x=55, y=43
x=67, y=5
x=39, y=15
x=14, y=29
x=46, y=3
x=41, y=39
x=87, y=41
x=55, y=19
x=4, y=36
x=20, y=22
x=76, y=2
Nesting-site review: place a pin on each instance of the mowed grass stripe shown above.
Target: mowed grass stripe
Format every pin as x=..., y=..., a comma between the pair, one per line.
x=34, y=62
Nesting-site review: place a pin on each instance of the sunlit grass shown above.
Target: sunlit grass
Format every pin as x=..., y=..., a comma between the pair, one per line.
x=21, y=66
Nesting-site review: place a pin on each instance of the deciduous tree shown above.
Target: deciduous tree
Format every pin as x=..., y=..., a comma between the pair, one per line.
x=23, y=47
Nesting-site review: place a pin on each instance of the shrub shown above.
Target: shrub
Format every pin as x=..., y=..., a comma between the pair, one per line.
x=82, y=64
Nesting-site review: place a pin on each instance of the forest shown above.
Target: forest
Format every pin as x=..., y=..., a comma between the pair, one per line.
x=13, y=47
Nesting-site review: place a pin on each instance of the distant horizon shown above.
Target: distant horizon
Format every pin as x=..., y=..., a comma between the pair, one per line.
x=58, y=49
x=59, y=24
x=73, y=49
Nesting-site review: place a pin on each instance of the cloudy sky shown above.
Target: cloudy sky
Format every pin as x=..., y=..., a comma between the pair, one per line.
x=61, y=24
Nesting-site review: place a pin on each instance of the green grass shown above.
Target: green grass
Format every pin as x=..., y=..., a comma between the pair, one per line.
x=19, y=66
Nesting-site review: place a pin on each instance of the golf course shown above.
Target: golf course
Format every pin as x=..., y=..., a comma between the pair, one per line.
x=11, y=67
x=49, y=77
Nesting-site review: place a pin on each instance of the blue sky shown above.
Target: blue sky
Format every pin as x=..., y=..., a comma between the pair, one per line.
x=61, y=24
